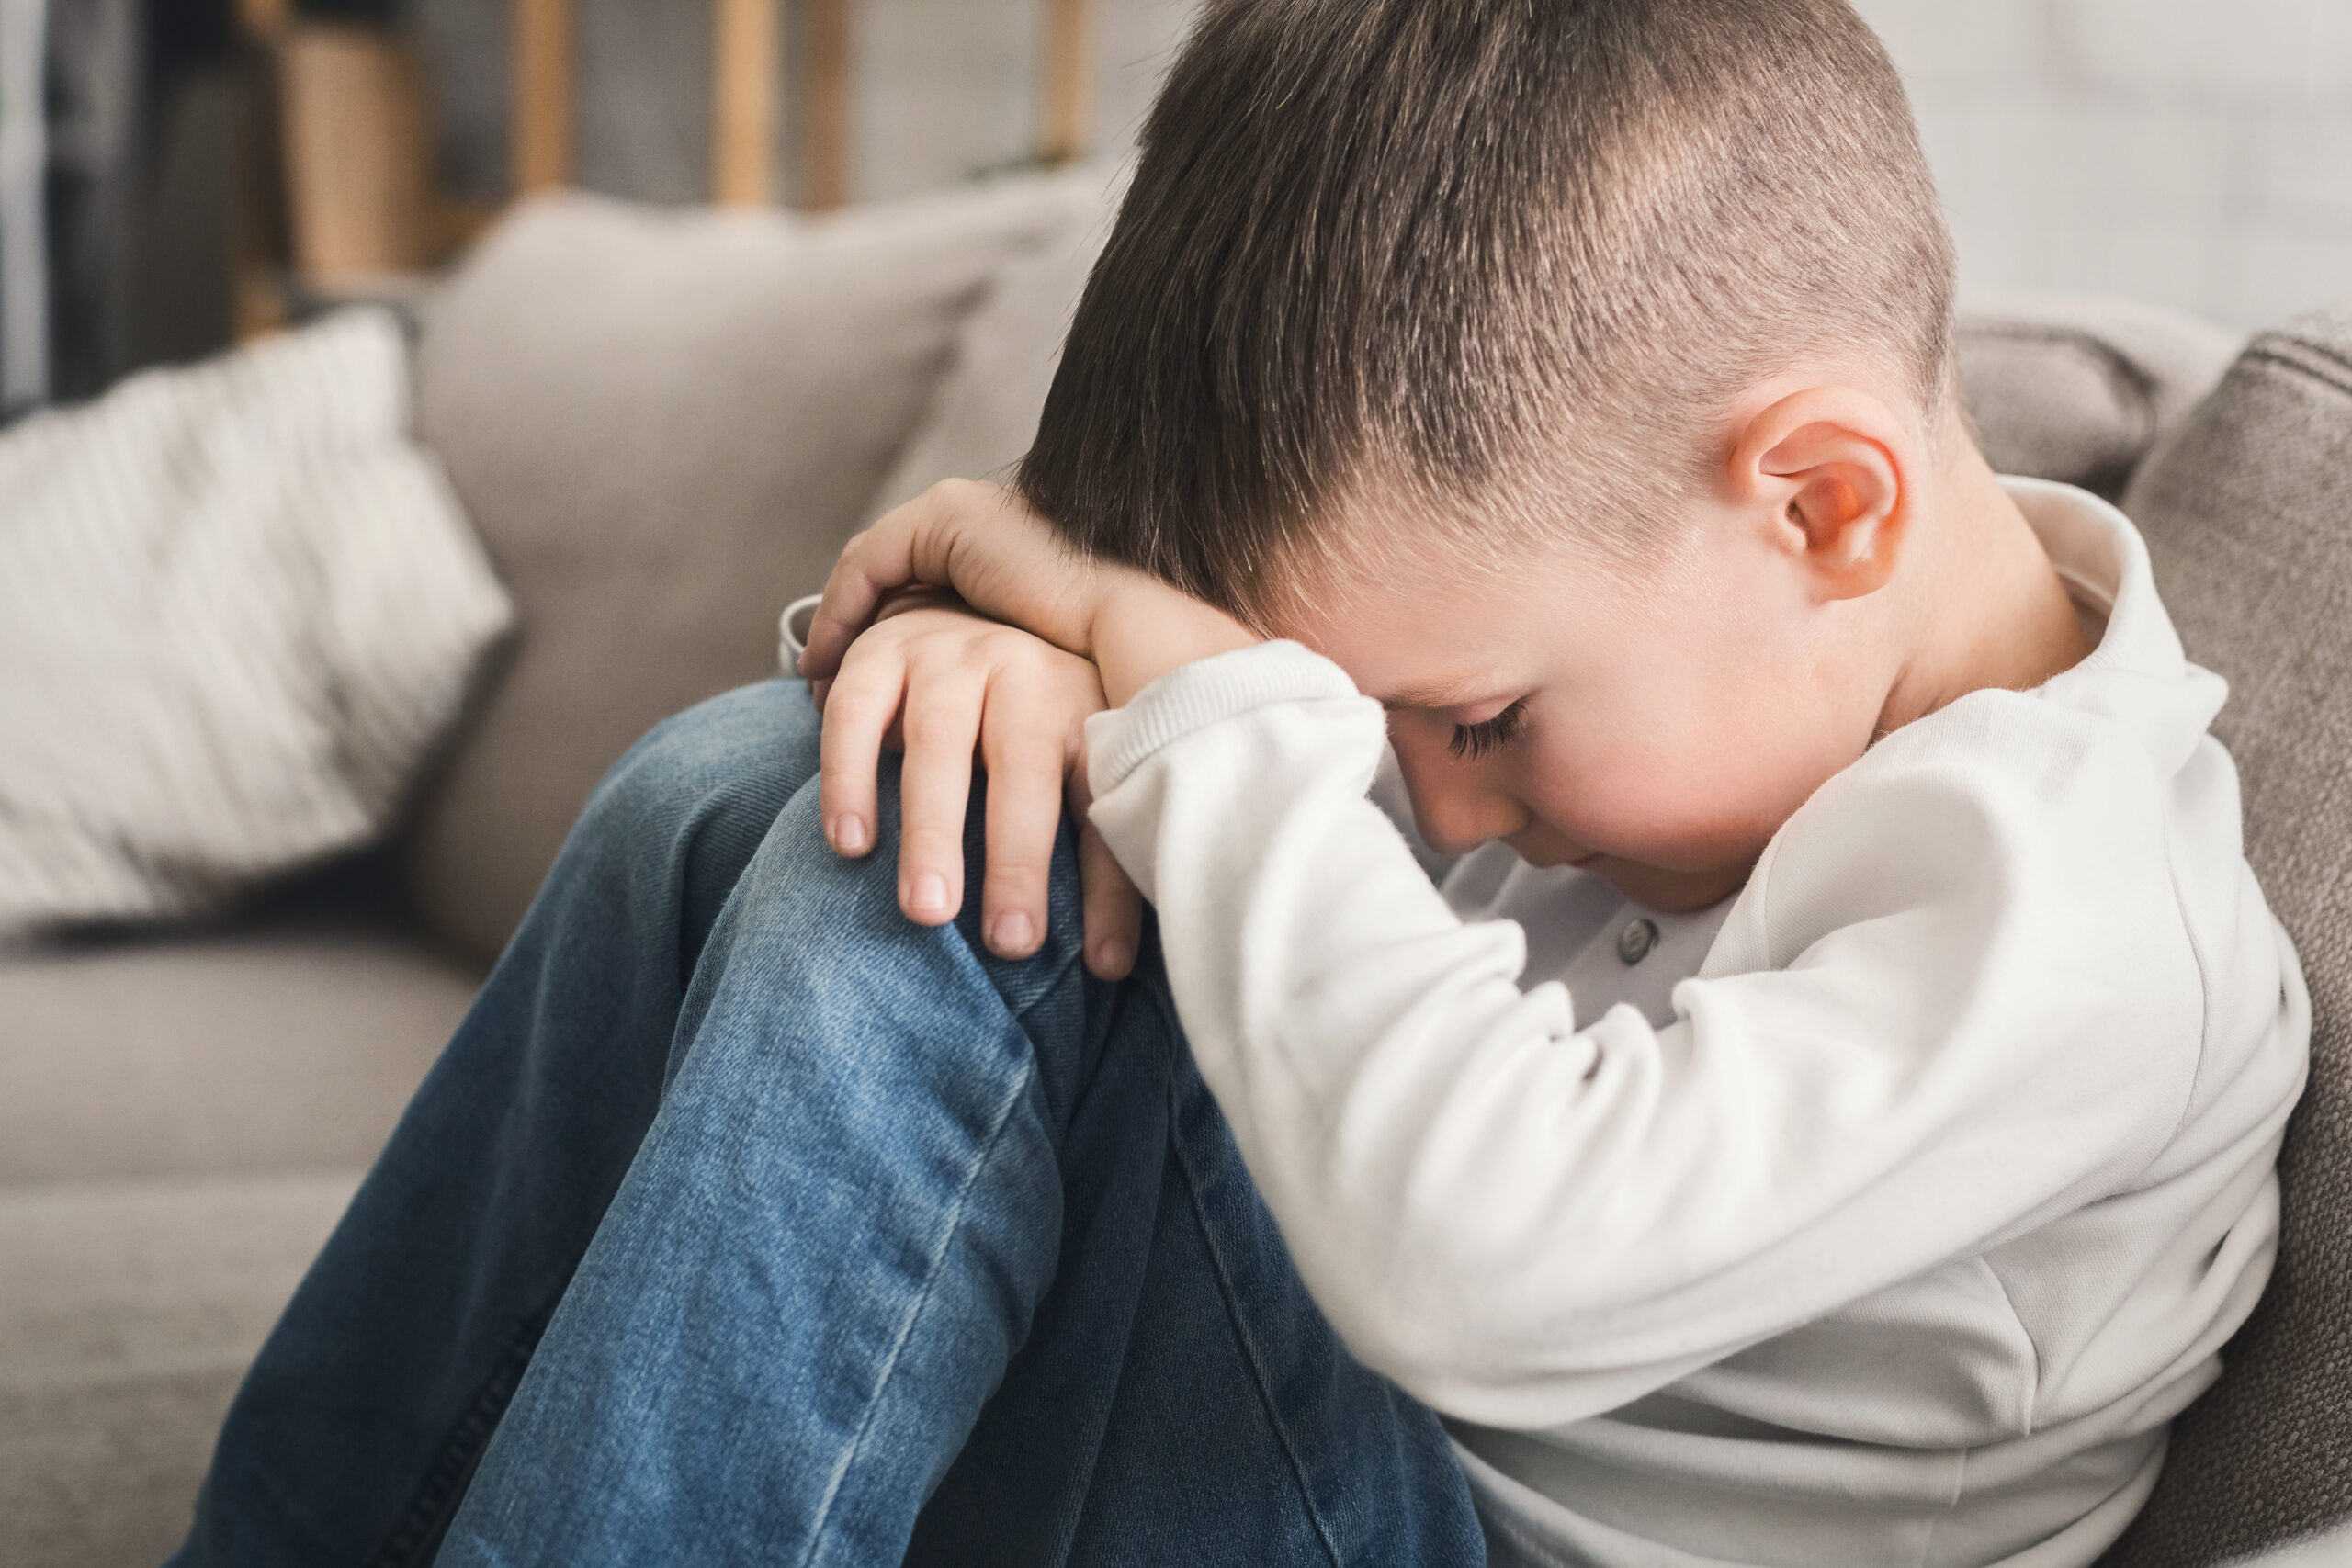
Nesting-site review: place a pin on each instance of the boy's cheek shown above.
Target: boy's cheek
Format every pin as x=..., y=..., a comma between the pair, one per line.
x=1675, y=892
x=1543, y=845
x=1678, y=819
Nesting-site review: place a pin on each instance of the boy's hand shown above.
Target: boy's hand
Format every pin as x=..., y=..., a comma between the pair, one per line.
x=1003, y=560
x=941, y=684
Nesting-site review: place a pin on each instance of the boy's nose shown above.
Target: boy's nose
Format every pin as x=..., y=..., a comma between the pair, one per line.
x=1455, y=809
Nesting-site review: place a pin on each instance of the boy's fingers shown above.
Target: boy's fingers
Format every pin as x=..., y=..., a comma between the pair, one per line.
x=1024, y=754
x=859, y=711
x=1113, y=908
x=940, y=726
x=975, y=540
x=844, y=611
x=906, y=546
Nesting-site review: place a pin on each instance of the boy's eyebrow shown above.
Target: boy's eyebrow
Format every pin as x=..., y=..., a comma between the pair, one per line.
x=1431, y=694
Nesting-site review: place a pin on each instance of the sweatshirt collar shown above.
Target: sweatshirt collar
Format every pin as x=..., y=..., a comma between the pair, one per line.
x=2138, y=673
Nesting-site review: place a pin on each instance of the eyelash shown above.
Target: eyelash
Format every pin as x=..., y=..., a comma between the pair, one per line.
x=1472, y=741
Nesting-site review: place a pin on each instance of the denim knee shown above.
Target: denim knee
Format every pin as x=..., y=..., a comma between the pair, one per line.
x=749, y=748
x=693, y=801
x=685, y=807
x=1058, y=962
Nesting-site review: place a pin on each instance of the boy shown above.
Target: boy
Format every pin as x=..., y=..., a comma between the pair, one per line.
x=1589, y=407
x=1873, y=1163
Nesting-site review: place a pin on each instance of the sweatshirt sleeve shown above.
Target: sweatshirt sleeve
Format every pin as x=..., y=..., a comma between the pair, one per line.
x=1894, y=1057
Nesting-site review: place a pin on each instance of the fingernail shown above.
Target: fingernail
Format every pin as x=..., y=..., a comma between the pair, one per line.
x=1111, y=958
x=849, y=833
x=1013, y=933
x=928, y=894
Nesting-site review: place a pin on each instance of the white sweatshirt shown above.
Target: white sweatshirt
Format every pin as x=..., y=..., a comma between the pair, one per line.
x=1885, y=1215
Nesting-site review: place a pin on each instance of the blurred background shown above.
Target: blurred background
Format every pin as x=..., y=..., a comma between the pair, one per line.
x=175, y=173
x=309, y=657
x=2196, y=154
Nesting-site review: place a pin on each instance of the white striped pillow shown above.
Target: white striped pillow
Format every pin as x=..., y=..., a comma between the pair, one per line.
x=238, y=605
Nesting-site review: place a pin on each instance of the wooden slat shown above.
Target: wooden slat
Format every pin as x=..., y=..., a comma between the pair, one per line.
x=825, y=103
x=542, y=105
x=264, y=240
x=265, y=18
x=744, y=93
x=358, y=166
x=1069, y=80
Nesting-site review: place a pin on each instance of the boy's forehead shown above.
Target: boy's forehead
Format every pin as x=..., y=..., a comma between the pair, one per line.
x=1419, y=635
x=1384, y=551
x=1421, y=617
x=1380, y=558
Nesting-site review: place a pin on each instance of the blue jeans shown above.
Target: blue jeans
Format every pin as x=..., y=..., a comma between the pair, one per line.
x=745, y=1221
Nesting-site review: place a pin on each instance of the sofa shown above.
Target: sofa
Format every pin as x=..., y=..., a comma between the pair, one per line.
x=664, y=424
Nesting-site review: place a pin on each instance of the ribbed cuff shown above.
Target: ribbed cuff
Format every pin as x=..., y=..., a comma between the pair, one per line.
x=792, y=632
x=1205, y=692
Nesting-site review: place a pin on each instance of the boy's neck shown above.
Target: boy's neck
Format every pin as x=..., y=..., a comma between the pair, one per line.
x=1989, y=610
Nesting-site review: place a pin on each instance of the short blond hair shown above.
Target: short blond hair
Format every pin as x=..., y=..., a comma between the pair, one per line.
x=1510, y=254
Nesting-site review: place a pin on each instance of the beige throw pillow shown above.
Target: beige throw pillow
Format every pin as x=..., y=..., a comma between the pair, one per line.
x=985, y=413
x=664, y=423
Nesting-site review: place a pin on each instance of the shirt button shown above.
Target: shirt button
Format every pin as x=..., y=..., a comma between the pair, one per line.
x=1634, y=943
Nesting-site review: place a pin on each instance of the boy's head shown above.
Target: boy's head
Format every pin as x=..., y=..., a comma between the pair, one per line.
x=1576, y=374
x=1503, y=261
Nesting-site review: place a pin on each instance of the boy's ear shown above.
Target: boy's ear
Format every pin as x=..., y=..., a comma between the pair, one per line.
x=1828, y=472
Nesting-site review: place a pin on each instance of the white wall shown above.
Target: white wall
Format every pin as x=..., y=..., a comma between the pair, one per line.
x=948, y=87
x=2194, y=153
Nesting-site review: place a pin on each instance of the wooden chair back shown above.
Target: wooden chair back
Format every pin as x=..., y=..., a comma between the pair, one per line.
x=745, y=84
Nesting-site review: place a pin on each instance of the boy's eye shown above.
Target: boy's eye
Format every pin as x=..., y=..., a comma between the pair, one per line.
x=1472, y=741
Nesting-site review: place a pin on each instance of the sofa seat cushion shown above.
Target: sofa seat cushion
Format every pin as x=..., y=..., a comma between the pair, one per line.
x=129, y=1313
x=252, y=1051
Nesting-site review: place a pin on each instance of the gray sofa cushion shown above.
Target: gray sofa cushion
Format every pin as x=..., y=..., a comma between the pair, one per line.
x=664, y=424
x=985, y=413
x=2248, y=513
x=2078, y=389
x=129, y=1314
x=257, y=1051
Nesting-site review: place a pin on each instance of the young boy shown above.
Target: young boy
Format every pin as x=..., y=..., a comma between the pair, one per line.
x=1825, y=1117
x=1828, y=1114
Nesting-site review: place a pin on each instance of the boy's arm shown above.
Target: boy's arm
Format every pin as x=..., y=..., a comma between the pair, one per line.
x=1887, y=1067
x=1911, y=1042
x=980, y=542
x=946, y=686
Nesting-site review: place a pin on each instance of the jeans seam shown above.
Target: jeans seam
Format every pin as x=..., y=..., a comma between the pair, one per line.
x=443, y=1486
x=1019, y=1092
x=1240, y=1328
x=1020, y=1014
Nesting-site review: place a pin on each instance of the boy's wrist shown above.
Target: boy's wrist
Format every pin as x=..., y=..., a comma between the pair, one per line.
x=1142, y=630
